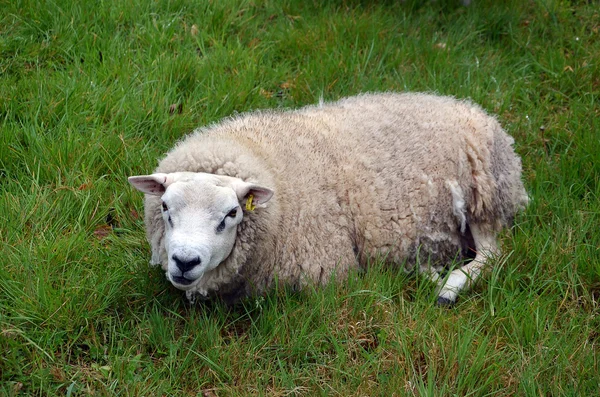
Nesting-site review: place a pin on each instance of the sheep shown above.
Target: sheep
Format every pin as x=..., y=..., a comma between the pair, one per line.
x=298, y=197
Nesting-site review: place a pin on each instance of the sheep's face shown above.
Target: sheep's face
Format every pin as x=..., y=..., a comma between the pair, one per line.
x=200, y=213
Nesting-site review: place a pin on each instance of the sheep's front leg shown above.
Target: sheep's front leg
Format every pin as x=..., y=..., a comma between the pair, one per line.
x=486, y=247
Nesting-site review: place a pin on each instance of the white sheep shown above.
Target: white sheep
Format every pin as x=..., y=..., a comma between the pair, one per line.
x=416, y=180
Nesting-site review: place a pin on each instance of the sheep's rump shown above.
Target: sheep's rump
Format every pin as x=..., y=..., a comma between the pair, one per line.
x=399, y=177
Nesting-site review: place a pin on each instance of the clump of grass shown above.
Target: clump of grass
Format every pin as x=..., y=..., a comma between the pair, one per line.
x=91, y=93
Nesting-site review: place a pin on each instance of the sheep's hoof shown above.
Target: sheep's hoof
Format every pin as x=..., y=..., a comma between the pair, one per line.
x=445, y=302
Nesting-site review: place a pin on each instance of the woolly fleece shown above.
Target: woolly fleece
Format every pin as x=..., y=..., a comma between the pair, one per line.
x=399, y=177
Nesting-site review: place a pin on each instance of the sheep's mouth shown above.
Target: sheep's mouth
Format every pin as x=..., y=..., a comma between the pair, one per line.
x=181, y=280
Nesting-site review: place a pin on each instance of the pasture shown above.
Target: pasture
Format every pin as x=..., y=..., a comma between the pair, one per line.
x=92, y=92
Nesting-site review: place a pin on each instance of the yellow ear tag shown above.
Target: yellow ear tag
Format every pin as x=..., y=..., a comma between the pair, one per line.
x=249, y=205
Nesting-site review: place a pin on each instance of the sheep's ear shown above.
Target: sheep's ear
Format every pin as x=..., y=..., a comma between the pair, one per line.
x=260, y=194
x=154, y=184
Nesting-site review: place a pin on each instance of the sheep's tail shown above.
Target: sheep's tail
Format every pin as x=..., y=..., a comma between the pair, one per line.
x=498, y=191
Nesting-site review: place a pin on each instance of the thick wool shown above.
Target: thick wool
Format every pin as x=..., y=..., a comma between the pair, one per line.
x=398, y=177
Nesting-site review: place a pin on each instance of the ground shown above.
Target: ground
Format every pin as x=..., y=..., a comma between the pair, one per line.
x=92, y=92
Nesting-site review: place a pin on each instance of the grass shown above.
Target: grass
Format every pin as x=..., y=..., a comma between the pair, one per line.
x=91, y=92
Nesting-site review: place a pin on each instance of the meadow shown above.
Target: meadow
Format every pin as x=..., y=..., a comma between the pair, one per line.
x=94, y=91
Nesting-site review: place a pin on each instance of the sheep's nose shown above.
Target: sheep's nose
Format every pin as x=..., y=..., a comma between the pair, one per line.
x=186, y=264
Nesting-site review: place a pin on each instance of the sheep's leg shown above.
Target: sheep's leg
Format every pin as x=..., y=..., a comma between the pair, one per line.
x=486, y=246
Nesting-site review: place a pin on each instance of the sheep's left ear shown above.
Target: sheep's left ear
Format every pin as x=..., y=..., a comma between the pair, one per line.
x=260, y=194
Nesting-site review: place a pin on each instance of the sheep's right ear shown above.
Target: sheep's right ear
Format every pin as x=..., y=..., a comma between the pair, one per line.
x=154, y=184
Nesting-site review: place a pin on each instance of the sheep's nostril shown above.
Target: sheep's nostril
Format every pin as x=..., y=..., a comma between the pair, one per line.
x=186, y=264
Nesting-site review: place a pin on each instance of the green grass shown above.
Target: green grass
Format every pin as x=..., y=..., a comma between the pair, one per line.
x=91, y=92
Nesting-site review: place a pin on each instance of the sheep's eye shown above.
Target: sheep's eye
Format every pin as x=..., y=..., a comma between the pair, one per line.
x=164, y=206
x=232, y=213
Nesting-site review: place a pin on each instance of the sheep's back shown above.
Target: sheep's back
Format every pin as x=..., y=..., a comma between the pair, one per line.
x=398, y=158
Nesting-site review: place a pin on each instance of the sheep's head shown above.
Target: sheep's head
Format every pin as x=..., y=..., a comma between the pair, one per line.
x=201, y=213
